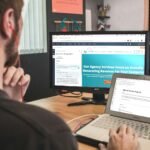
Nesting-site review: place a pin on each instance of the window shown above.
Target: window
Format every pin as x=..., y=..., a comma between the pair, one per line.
x=34, y=36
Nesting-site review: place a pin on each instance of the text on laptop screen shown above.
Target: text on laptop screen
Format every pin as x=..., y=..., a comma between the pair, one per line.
x=82, y=60
x=131, y=96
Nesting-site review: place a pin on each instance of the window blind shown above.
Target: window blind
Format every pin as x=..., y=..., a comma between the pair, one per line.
x=33, y=39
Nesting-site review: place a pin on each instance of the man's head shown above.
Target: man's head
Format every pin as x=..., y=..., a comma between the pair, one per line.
x=10, y=27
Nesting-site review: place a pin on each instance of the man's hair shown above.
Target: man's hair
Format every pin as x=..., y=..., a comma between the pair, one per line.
x=17, y=5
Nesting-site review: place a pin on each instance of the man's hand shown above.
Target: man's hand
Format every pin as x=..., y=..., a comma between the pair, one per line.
x=15, y=82
x=124, y=138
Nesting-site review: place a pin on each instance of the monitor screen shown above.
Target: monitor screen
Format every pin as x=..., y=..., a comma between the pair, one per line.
x=87, y=60
x=127, y=92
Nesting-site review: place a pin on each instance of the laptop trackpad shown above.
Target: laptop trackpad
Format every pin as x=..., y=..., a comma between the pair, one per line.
x=91, y=132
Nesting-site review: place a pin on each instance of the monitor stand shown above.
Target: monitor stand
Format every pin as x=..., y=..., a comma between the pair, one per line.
x=97, y=99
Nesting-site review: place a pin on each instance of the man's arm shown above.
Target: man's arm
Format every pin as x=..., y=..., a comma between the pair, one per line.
x=124, y=138
x=15, y=82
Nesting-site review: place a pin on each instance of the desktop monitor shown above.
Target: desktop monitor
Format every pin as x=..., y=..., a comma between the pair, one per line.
x=86, y=61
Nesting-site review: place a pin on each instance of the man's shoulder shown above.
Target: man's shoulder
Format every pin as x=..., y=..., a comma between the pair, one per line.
x=40, y=119
x=35, y=122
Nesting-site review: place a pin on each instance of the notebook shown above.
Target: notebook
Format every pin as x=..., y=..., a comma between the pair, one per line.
x=128, y=103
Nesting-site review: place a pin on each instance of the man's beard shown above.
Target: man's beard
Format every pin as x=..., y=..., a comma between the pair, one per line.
x=12, y=55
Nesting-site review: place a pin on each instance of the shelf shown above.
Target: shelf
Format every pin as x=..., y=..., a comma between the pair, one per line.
x=67, y=22
x=103, y=17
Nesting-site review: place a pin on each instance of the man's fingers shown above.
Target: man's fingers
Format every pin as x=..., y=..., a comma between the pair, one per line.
x=130, y=131
x=102, y=147
x=113, y=136
x=24, y=83
x=17, y=76
x=15, y=82
x=112, y=132
x=4, y=70
x=25, y=80
x=13, y=77
x=8, y=75
x=122, y=130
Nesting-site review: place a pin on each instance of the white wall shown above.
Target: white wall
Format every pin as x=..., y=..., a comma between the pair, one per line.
x=126, y=14
x=91, y=14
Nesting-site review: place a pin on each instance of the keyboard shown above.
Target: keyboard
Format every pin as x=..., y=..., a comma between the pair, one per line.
x=111, y=122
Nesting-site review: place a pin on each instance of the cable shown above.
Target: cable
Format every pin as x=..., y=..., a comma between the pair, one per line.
x=77, y=93
x=80, y=123
x=74, y=94
x=80, y=117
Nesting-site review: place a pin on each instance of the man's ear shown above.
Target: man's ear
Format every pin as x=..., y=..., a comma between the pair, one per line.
x=8, y=23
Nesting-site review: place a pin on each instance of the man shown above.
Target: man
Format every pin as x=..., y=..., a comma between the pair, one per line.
x=24, y=127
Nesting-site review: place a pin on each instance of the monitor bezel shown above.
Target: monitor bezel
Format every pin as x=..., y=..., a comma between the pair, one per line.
x=91, y=89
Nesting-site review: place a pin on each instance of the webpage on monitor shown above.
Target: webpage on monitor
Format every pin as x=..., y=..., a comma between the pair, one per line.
x=90, y=60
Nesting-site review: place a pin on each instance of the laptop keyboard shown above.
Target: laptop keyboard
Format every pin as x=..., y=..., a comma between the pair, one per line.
x=110, y=122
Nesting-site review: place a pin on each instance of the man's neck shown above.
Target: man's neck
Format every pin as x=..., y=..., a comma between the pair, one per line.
x=2, y=62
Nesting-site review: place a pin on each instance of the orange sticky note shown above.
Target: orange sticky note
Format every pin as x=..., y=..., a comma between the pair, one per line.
x=67, y=6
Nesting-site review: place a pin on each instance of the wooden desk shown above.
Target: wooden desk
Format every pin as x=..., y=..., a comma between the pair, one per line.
x=58, y=105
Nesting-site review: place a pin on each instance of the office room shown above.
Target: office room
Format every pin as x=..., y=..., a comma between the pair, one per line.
x=75, y=75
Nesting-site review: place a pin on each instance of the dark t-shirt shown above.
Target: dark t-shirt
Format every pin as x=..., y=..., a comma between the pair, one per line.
x=25, y=127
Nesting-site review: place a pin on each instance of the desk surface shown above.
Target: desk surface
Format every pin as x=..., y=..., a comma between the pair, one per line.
x=58, y=105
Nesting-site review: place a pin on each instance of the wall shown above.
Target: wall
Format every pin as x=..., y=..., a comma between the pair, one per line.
x=37, y=65
x=126, y=14
x=91, y=14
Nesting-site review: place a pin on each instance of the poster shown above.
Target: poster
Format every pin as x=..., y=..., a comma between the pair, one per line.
x=67, y=6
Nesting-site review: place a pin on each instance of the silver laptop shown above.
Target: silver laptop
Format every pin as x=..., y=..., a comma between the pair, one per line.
x=128, y=103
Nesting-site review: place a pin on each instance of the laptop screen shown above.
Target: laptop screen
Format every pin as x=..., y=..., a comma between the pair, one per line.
x=131, y=96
